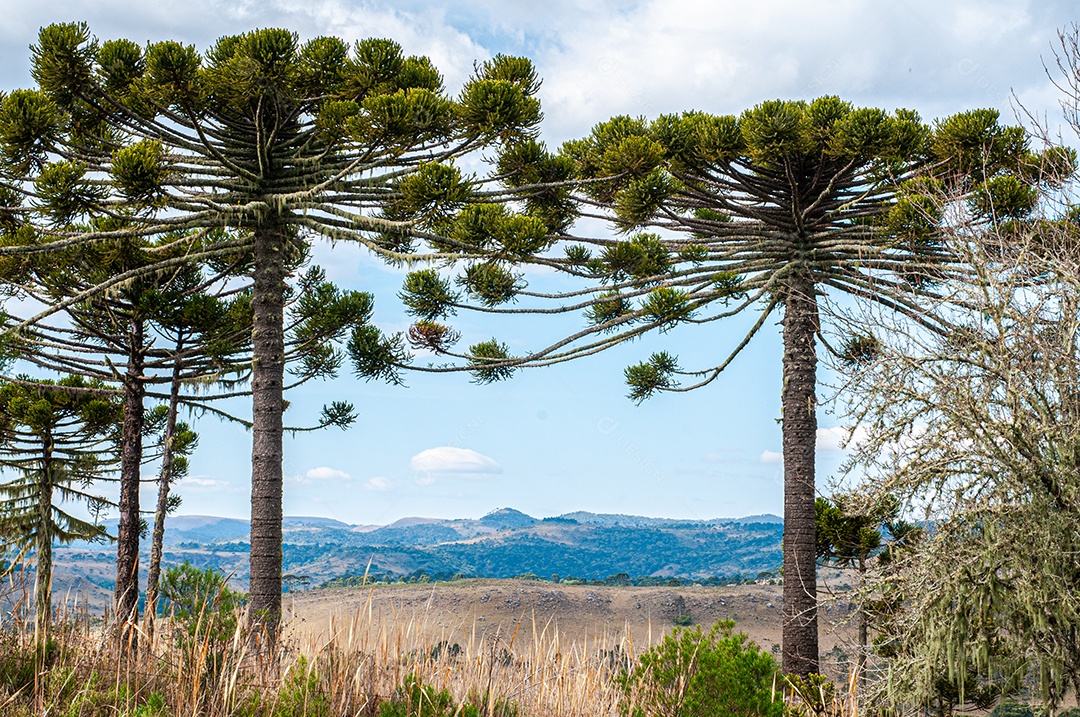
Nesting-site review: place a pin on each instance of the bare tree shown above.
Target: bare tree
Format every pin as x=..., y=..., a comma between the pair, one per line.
x=977, y=431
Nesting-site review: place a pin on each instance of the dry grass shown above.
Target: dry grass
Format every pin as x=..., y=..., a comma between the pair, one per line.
x=349, y=670
x=346, y=668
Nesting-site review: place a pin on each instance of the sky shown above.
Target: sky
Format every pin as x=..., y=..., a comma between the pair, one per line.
x=566, y=438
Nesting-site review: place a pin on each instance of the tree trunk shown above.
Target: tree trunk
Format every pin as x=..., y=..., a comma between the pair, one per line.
x=800, y=629
x=267, y=375
x=127, y=543
x=43, y=559
x=164, y=480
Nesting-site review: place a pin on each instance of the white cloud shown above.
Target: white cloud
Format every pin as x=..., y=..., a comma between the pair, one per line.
x=771, y=457
x=326, y=473
x=839, y=438
x=836, y=439
x=451, y=462
x=204, y=483
x=379, y=484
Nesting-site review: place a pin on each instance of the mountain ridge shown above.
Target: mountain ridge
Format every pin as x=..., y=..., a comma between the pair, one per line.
x=503, y=543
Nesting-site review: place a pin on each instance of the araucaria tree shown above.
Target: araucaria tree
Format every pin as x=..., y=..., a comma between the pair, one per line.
x=55, y=442
x=278, y=141
x=769, y=210
x=116, y=329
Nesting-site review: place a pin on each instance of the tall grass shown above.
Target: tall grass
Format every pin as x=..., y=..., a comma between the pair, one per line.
x=360, y=660
x=349, y=669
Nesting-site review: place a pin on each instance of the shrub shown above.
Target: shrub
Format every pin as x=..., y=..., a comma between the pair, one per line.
x=201, y=600
x=696, y=674
x=415, y=699
x=1012, y=709
x=205, y=610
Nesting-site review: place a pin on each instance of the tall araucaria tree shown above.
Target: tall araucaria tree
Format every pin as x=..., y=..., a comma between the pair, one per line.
x=55, y=439
x=286, y=142
x=193, y=336
x=770, y=210
x=109, y=337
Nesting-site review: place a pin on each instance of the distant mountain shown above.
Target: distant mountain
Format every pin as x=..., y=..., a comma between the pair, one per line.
x=507, y=519
x=503, y=543
x=762, y=518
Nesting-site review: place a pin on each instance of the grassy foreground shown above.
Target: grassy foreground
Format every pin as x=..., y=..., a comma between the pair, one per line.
x=365, y=664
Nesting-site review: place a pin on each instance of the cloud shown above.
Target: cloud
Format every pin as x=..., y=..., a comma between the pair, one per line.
x=205, y=484
x=326, y=473
x=771, y=457
x=379, y=484
x=839, y=438
x=452, y=462
x=835, y=439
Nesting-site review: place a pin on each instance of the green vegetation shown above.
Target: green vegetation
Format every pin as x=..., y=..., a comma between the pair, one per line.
x=415, y=699
x=160, y=203
x=692, y=673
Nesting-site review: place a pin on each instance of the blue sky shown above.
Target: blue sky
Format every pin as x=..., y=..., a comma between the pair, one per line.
x=566, y=438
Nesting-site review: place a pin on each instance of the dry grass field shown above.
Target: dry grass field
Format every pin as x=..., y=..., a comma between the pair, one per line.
x=517, y=613
x=551, y=650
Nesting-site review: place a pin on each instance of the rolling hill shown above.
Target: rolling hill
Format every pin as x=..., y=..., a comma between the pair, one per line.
x=503, y=543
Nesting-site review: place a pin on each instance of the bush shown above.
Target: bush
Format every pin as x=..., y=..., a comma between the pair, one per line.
x=414, y=699
x=1012, y=709
x=201, y=600
x=696, y=674
x=205, y=610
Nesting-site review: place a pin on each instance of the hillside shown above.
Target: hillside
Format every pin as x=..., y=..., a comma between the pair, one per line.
x=504, y=543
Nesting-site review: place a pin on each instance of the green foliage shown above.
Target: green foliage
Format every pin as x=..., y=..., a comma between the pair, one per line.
x=484, y=358
x=915, y=218
x=500, y=108
x=375, y=355
x=1004, y=196
x=302, y=694
x=65, y=193
x=774, y=130
x=529, y=164
x=428, y=295
x=430, y=195
x=813, y=696
x=666, y=306
x=642, y=197
x=643, y=257
x=650, y=376
x=493, y=229
x=415, y=699
x=608, y=307
x=692, y=673
x=29, y=123
x=491, y=283
x=860, y=349
x=974, y=144
x=140, y=171
x=205, y=610
x=518, y=71
x=56, y=439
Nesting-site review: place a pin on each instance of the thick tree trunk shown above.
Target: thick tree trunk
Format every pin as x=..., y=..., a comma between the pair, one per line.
x=800, y=629
x=127, y=543
x=154, y=569
x=43, y=559
x=268, y=352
